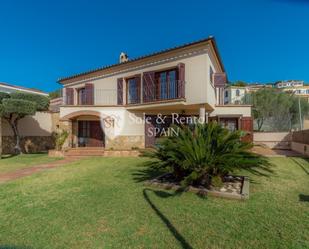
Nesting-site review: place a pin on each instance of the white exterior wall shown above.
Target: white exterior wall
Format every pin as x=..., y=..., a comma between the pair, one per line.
x=236, y=110
x=197, y=88
x=124, y=124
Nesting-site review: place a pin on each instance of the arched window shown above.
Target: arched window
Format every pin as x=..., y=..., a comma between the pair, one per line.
x=237, y=92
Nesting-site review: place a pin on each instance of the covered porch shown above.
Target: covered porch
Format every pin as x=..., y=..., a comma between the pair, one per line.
x=85, y=129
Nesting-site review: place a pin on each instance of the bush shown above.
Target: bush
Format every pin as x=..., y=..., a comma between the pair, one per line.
x=60, y=138
x=200, y=152
x=4, y=95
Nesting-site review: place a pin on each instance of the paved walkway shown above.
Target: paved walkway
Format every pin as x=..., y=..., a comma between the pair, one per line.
x=10, y=176
x=265, y=151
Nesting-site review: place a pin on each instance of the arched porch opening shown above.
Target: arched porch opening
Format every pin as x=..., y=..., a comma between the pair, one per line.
x=86, y=129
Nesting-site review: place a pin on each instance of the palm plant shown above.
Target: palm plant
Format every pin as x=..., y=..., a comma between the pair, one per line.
x=203, y=151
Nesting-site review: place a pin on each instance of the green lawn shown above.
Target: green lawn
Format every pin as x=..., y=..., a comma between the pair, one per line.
x=10, y=163
x=102, y=203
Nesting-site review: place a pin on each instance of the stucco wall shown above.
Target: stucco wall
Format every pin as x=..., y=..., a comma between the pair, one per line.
x=300, y=148
x=274, y=140
x=127, y=123
x=240, y=110
x=196, y=76
x=39, y=124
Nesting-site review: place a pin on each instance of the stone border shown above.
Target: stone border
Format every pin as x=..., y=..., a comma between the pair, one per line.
x=203, y=191
x=56, y=153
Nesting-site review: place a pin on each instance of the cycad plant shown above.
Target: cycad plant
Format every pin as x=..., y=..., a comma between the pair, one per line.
x=204, y=151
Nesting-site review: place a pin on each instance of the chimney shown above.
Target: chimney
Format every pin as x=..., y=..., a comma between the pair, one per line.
x=123, y=57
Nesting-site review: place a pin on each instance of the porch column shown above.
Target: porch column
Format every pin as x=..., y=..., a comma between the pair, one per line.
x=202, y=115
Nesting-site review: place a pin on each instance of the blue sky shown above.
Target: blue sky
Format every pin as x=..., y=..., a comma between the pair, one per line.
x=259, y=40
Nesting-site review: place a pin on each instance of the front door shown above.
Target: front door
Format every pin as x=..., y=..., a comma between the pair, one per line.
x=90, y=134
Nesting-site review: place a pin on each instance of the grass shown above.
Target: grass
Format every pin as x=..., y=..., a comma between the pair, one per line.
x=10, y=163
x=102, y=203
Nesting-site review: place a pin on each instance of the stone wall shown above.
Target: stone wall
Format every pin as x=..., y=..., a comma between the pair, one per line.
x=29, y=144
x=125, y=142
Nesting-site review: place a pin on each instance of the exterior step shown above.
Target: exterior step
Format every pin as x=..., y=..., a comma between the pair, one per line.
x=81, y=152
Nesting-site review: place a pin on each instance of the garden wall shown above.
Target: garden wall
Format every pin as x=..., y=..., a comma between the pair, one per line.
x=273, y=140
x=36, y=133
x=300, y=142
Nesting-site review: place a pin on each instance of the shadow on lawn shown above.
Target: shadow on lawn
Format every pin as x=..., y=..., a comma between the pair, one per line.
x=165, y=220
x=146, y=173
x=301, y=165
x=13, y=247
x=304, y=198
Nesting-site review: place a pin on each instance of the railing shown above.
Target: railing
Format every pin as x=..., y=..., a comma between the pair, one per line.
x=151, y=92
x=164, y=90
x=98, y=97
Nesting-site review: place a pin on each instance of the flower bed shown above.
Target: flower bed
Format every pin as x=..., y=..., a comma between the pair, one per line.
x=234, y=187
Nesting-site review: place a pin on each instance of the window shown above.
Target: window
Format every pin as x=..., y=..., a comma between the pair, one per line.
x=237, y=93
x=307, y=91
x=133, y=91
x=226, y=94
x=81, y=93
x=166, y=84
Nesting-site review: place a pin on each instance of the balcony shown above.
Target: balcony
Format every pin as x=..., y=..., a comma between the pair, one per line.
x=104, y=97
x=156, y=92
x=164, y=90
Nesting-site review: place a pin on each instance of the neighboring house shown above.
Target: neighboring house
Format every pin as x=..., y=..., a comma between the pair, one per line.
x=289, y=83
x=253, y=87
x=301, y=91
x=106, y=107
x=35, y=130
x=9, y=88
x=234, y=94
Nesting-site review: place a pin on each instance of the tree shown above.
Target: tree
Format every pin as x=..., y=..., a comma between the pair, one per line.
x=262, y=103
x=55, y=94
x=280, y=109
x=203, y=152
x=239, y=83
x=16, y=106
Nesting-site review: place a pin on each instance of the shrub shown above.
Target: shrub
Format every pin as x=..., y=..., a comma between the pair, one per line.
x=60, y=138
x=203, y=151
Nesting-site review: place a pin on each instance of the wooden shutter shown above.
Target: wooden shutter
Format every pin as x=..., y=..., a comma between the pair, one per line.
x=138, y=85
x=69, y=96
x=120, y=91
x=89, y=89
x=148, y=86
x=181, y=80
x=219, y=80
x=247, y=126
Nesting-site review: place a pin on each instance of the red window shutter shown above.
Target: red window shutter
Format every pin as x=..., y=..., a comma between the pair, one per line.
x=247, y=125
x=181, y=80
x=219, y=80
x=89, y=88
x=69, y=95
x=149, y=86
x=120, y=91
x=138, y=85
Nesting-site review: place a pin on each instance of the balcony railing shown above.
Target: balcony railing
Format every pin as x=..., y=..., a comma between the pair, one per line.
x=164, y=90
x=98, y=97
x=152, y=92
